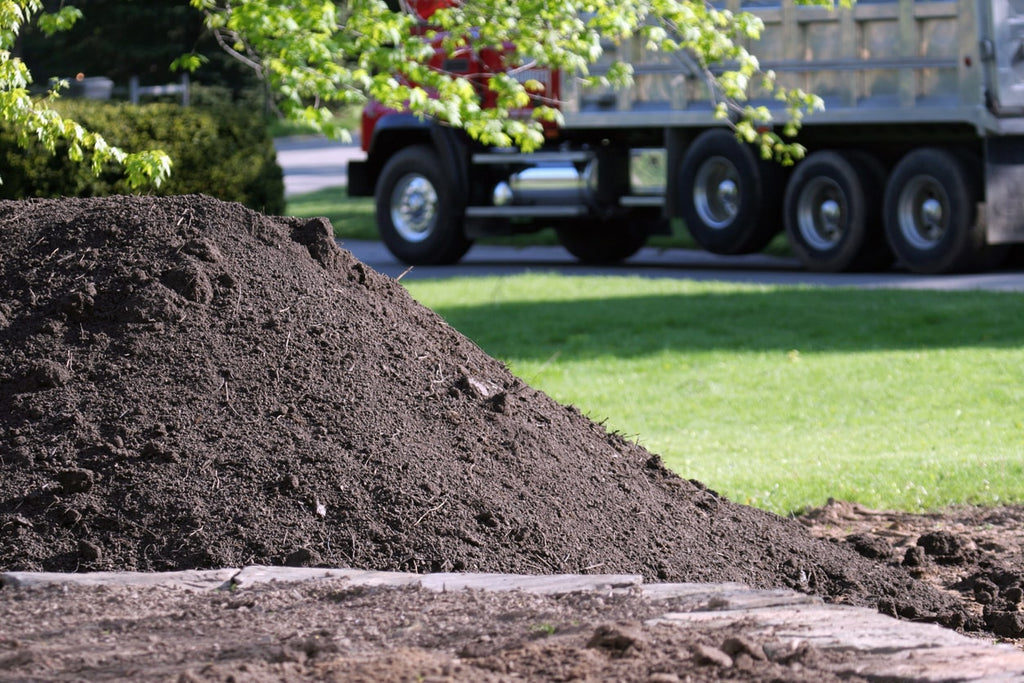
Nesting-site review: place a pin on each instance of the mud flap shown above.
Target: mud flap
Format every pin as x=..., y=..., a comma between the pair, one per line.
x=360, y=181
x=1004, y=178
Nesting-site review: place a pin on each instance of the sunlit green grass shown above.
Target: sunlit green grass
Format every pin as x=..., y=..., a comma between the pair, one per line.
x=776, y=397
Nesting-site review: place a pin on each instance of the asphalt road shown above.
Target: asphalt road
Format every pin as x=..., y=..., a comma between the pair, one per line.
x=310, y=164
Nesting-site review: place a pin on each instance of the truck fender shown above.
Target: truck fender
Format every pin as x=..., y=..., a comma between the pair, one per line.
x=393, y=132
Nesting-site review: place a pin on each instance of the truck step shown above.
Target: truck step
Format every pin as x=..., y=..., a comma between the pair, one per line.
x=533, y=158
x=514, y=211
x=642, y=200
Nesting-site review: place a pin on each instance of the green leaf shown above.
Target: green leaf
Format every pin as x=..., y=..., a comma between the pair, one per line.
x=61, y=20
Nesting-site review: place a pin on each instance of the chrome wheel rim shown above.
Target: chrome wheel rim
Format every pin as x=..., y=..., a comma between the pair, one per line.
x=414, y=208
x=922, y=212
x=716, y=192
x=821, y=214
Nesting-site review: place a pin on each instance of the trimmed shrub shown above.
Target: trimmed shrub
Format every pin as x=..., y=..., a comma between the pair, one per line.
x=225, y=152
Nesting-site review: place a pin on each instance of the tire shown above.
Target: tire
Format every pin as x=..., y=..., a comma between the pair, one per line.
x=729, y=198
x=418, y=216
x=931, y=214
x=603, y=242
x=832, y=212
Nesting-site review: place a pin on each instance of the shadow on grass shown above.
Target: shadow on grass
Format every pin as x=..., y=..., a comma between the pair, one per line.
x=810, y=320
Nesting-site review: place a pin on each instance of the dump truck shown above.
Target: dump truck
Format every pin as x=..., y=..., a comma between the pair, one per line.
x=916, y=159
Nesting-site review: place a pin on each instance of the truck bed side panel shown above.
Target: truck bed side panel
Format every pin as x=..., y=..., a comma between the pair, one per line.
x=881, y=61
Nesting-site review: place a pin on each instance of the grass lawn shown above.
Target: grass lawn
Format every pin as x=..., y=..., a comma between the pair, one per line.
x=776, y=397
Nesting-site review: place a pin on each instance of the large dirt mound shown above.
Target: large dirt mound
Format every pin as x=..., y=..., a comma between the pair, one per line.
x=185, y=383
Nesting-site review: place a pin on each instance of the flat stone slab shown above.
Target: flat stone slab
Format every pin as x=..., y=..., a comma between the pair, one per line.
x=724, y=596
x=554, y=584
x=888, y=648
x=211, y=579
x=256, y=574
x=557, y=584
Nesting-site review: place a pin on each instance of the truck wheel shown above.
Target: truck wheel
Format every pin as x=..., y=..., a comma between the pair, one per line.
x=730, y=205
x=417, y=214
x=931, y=215
x=832, y=213
x=603, y=242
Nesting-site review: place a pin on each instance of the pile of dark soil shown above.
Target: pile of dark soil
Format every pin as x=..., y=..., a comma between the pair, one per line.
x=185, y=383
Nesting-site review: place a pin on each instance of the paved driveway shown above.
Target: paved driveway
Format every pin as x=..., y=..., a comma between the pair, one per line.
x=674, y=263
x=312, y=163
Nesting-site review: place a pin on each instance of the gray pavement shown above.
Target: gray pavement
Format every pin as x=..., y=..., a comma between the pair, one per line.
x=312, y=163
x=483, y=260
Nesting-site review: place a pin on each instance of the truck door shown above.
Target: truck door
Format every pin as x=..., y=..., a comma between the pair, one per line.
x=1005, y=53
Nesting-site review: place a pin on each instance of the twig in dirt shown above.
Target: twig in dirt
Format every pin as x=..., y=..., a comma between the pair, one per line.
x=188, y=214
x=404, y=273
x=227, y=392
x=433, y=509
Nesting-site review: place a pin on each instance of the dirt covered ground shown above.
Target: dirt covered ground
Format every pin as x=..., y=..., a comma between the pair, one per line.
x=187, y=384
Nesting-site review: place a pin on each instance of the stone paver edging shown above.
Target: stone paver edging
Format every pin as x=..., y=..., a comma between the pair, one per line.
x=889, y=649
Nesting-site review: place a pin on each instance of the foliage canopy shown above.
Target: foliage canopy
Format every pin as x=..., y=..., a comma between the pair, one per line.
x=317, y=54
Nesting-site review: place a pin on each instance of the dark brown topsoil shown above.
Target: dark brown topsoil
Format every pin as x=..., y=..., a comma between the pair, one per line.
x=185, y=383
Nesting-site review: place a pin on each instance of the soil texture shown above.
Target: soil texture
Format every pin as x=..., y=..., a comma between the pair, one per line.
x=187, y=384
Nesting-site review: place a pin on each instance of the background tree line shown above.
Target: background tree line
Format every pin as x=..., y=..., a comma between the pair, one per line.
x=127, y=38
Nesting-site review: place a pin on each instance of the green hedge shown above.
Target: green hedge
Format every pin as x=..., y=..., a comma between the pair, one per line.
x=224, y=151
